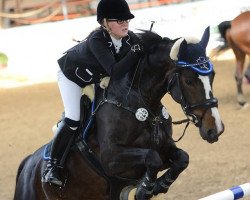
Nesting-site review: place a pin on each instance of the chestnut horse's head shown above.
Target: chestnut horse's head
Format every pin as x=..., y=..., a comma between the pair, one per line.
x=190, y=84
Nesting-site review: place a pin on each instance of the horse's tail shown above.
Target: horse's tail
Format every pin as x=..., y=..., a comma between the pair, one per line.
x=20, y=168
x=223, y=27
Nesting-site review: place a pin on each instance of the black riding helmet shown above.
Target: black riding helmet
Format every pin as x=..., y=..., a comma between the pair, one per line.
x=113, y=9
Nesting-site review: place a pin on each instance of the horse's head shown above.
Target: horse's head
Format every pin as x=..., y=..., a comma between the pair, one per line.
x=190, y=84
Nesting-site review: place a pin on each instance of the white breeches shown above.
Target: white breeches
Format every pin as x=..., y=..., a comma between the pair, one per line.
x=71, y=96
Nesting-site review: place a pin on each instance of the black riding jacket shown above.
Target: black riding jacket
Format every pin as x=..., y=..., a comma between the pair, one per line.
x=95, y=58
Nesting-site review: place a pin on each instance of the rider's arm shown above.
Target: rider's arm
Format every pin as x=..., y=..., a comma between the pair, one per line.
x=107, y=59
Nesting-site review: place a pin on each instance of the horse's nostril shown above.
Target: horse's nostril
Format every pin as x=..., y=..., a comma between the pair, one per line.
x=212, y=135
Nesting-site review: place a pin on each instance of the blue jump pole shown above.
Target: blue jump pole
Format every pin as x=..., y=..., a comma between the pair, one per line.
x=233, y=193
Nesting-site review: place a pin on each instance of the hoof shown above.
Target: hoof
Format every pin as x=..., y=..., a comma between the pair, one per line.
x=128, y=193
x=246, y=105
x=241, y=100
x=242, y=103
x=143, y=194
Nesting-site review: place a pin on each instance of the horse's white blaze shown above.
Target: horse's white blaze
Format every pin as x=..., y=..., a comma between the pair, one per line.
x=207, y=86
x=216, y=115
x=215, y=112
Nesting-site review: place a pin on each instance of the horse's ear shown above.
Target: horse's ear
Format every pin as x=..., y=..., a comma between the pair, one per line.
x=205, y=38
x=182, y=50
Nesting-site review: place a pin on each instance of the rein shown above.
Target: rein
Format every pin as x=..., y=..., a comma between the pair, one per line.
x=137, y=66
x=187, y=121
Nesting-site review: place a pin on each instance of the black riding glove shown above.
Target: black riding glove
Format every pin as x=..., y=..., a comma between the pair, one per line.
x=137, y=48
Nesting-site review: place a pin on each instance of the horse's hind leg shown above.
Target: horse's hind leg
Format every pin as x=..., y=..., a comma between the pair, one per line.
x=178, y=162
x=239, y=77
x=240, y=60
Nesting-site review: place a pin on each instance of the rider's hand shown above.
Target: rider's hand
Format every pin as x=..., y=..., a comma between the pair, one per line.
x=137, y=48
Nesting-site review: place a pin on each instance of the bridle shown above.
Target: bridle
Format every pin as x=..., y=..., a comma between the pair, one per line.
x=186, y=107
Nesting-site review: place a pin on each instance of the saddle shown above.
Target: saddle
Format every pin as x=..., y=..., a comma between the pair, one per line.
x=85, y=124
x=87, y=102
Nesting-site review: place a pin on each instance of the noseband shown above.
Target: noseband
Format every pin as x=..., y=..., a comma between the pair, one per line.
x=186, y=107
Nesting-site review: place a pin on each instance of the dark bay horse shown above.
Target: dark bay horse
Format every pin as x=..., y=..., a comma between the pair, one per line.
x=131, y=138
x=236, y=34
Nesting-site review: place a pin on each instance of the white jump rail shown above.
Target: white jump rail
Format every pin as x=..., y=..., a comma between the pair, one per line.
x=233, y=193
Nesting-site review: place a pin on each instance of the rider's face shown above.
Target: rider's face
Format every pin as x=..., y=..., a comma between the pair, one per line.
x=118, y=28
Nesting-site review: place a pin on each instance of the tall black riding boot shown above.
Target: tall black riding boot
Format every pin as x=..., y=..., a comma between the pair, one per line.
x=60, y=145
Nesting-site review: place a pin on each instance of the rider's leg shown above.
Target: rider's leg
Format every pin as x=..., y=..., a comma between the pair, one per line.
x=61, y=143
x=71, y=95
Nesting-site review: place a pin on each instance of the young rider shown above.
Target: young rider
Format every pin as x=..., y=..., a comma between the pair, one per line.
x=111, y=50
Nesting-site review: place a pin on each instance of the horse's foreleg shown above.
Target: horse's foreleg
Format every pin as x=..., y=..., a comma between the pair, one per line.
x=125, y=160
x=145, y=188
x=178, y=161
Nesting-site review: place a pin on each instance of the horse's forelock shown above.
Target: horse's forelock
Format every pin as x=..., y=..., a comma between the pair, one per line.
x=175, y=48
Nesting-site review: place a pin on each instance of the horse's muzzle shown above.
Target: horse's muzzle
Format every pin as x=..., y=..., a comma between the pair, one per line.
x=212, y=135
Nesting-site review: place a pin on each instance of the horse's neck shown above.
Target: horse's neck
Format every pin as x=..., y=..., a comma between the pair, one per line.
x=149, y=83
x=138, y=88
